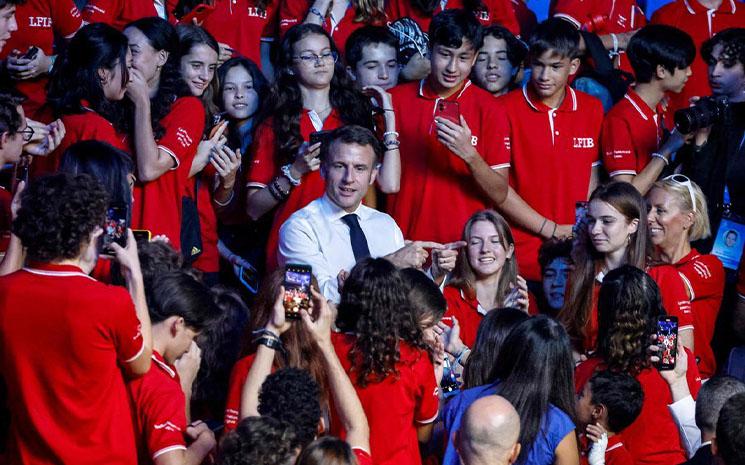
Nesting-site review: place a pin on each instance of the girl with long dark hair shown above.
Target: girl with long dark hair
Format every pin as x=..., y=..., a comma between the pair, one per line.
x=533, y=370
x=485, y=274
x=615, y=233
x=87, y=86
x=312, y=93
x=678, y=216
x=386, y=358
x=167, y=126
x=629, y=305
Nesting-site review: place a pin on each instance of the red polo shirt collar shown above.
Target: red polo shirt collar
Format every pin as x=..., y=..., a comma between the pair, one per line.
x=569, y=103
x=55, y=269
x=426, y=91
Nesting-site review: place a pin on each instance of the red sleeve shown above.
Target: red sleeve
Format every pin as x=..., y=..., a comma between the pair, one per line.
x=674, y=294
x=496, y=151
x=692, y=375
x=708, y=278
x=183, y=126
x=102, y=11
x=503, y=13
x=263, y=165
x=428, y=402
x=125, y=326
x=67, y=18
x=163, y=418
x=575, y=11
x=235, y=389
x=617, y=147
x=292, y=12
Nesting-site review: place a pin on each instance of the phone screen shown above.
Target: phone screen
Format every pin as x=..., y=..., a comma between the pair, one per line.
x=667, y=340
x=580, y=216
x=297, y=290
x=448, y=110
x=115, y=227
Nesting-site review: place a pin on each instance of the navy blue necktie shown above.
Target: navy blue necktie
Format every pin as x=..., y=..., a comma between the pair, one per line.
x=357, y=237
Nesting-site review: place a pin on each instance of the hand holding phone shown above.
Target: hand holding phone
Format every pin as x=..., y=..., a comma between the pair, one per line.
x=449, y=110
x=667, y=341
x=115, y=228
x=297, y=290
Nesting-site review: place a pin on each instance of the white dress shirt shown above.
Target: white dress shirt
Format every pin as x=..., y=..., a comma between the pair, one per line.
x=316, y=236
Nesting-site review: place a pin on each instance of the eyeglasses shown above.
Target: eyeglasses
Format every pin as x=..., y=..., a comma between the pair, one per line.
x=312, y=58
x=28, y=133
x=682, y=179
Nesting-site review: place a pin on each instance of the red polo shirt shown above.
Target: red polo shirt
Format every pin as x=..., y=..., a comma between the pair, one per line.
x=157, y=205
x=501, y=12
x=701, y=24
x=615, y=454
x=468, y=312
x=159, y=409
x=243, y=26
x=63, y=339
x=38, y=22
x=266, y=166
x=674, y=300
x=631, y=133
x=653, y=438
x=438, y=193
x=602, y=16
x=209, y=260
x=704, y=277
x=88, y=125
x=553, y=152
x=118, y=13
x=396, y=405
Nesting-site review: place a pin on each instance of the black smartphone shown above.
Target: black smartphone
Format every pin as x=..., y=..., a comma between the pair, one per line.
x=115, y=227
x=22, y=169
x=31, y=53
x=319, y=136
x=667, y=341
x=249, y=277
x=297, y=290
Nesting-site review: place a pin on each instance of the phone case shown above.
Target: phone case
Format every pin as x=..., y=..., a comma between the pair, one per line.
x=448, y=110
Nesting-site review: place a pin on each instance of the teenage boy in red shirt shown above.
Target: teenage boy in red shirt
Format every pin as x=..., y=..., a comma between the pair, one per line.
x=449, y=159
x=180, y=307
x=633, y=129
x=553, y=135
x=701, y=19
x=64, y=337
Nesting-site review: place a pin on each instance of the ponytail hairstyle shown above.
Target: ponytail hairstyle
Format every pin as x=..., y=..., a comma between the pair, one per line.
x=588, y=261
x=75, y=78
x=286, y=103
x=189, y=37
x=374, y=304
x=162, y=36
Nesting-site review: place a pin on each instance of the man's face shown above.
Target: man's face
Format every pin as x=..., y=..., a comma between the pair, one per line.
x=8, y=23
x=555, y=282
x=377, y=67
x=726, y=77
x=349, y=172
x=12, y=146
x=550, y=73
x=451, y=66
x=493, y=71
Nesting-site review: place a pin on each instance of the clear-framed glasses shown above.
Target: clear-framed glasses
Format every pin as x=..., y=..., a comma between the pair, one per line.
x=682, y=179
x=28, y=133
x=312, y=58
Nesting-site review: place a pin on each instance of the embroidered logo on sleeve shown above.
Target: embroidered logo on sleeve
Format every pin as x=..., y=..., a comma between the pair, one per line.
x=183, y=137
x=168, y=426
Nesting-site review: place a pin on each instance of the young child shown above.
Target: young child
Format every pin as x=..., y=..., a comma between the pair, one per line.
x=608, y=404
x=552, y=132
x=632, y=137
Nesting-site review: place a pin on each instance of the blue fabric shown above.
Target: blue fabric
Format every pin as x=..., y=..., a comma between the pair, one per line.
x=554, y=427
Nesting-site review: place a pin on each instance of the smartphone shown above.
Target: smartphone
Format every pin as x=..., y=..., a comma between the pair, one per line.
x=580, y=216
x=115, y=227
x=319, y=136
x=249, y=277
x=200, y=13
x=22, y=169
x=31, y=54
x=142, y=235
x=448, y=110
x=297, y=290
x=667, y=340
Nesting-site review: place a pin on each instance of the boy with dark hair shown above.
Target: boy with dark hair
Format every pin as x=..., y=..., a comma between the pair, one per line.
x=729, y=443
x=552, y=133
x=259, y=441
x=372, y=57
x=180, y=307
x=450, y=148
x=64, y=337
x=499, y=61
x=633, y=129
x=609, y=403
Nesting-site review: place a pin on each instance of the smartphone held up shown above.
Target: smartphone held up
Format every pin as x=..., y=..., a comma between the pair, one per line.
x=667, y=341
x=115, y=228
x=297, y=290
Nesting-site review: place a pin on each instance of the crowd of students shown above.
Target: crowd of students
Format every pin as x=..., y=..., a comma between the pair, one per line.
x=497, y=214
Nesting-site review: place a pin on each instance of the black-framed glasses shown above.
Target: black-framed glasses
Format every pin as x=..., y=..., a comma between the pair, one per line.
x=312, y=58
x=28, y=133
x=684, y=180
